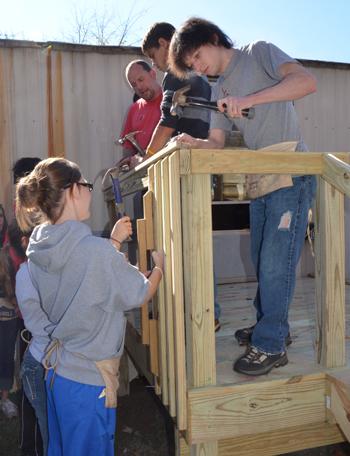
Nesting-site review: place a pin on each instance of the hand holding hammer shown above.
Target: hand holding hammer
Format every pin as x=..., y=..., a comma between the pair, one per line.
x=181, y=100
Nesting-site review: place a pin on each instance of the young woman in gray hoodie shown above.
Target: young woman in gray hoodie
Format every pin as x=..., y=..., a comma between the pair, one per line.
x=85, y=284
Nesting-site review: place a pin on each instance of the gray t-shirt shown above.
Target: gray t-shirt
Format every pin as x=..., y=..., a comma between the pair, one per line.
x=254, y=68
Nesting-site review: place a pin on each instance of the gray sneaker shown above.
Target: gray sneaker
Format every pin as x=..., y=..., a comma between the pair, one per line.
x=256, y=362
x=8, y=408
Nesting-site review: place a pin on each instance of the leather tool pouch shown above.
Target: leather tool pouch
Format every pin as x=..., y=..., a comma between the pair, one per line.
x=109, y=369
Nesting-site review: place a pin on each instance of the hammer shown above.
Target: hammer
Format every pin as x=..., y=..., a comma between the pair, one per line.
x=131, y=137
x=181, y=100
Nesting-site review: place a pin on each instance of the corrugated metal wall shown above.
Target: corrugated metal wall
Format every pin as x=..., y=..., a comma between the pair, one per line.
x=62, y=100
x=325, y=115
x=325, y=120
x=71, y=100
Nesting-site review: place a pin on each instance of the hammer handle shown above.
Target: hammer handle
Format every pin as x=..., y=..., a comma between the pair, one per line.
x=212, y=105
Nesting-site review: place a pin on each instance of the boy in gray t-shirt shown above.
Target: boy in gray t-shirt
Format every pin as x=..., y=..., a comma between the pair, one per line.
x=261, y=76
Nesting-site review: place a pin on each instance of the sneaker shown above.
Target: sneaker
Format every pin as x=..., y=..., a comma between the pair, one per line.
x=256, y=362
x=217, y=325
x=8, y=408
x=244, y=336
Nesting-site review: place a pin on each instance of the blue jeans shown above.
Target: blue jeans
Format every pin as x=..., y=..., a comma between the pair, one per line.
x=278, y=223
x=32, y=375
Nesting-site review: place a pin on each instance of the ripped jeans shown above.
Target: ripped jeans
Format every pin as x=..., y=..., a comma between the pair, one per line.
x=278, y=223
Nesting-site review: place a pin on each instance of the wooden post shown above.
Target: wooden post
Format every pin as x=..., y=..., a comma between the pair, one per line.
x=330, y=276
x=170, y=351
x=141, y=240
x=199, y=288
x=158, y=239
x=177, y=290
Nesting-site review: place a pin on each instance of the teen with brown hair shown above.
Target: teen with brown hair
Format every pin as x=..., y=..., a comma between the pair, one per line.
x=85, y=285
x=262, y=76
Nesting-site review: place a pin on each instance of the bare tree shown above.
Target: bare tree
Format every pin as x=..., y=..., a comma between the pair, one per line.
x=103, y=26
x=7, y=35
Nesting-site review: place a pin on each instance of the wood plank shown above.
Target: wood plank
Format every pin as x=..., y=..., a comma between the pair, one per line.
x=167, y=150
x=340, y=412
x=153, y=345
x=7, y=131
x=167, y=278
x=148, y=215
x=330, y=275
x=199, y=282
x=177, y=290
x=278, y=442
x=337, y=173
x=224, y=161
x=237, y=410
x=340, y=400
x=142, y=261
x=199, y=290
x=160, y=296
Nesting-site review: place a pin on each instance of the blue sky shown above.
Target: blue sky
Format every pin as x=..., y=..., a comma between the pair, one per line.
x=309, y=29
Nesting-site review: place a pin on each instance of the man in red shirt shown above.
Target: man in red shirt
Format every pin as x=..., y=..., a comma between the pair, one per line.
x=144, y=114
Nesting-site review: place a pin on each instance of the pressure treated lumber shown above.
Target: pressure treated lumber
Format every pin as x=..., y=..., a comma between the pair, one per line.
x=337, y=173
x=275, y=443
x=153, y=345
x=237, y=410
x=223, y=161
x=177, y=290
x=167, y=278
x=330, y=275
x=340, y=400
x=199, y=290
x=159, y=298
x=142, y=252
x=199, y=280
x=148, y=216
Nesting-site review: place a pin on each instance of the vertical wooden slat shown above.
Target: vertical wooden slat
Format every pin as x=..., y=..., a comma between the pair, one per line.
x=7, y=134
x=199, y=289
x=330, y=276
x=168, y=285
x=148, y=216
x=158, y=240
x=56, y=142
x=142, y=252
x=177, y=290
x=153, y=343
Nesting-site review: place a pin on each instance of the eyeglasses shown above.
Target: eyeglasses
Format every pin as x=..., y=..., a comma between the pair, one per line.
x=83, y=184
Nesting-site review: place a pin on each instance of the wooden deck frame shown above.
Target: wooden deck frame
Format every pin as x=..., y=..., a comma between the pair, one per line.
x=271, y=417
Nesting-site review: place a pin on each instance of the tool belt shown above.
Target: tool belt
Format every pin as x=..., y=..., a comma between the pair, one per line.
x=108, y=368
x=261, y=184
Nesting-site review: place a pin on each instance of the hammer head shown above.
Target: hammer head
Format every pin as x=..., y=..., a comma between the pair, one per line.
x=128, y=137
x=179, y=100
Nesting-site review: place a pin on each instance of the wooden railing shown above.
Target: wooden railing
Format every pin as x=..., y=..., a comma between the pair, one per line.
x=178, y=214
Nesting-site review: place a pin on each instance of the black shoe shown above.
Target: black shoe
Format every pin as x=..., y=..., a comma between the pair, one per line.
x=256, y=362
x=244, y=336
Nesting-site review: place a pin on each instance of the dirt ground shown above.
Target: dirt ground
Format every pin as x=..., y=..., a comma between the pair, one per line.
x=143, y=429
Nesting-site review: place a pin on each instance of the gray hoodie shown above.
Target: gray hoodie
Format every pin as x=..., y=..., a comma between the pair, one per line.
x=85, y=285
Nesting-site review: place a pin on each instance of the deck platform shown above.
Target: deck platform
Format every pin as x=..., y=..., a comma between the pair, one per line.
x=237, y=311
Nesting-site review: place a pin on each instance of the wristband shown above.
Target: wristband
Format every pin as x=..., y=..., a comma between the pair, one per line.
x=116, y=240
x=159, y=269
